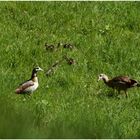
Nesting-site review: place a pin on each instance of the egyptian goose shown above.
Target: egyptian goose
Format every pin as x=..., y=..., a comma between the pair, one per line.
x=49, y=47
x=68, y=46
x=30, y=85
x=52, y=47
x=69, y=61
x=119, y=83
x=51, y=70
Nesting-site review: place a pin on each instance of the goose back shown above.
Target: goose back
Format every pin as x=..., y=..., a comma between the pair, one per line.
x=121, y=82
x=25, y=87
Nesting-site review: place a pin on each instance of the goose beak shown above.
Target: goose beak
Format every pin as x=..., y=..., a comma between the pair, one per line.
x=99, y=79
x=40, y=69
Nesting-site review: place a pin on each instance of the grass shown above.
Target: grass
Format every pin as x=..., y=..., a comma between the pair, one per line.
x=70, y=103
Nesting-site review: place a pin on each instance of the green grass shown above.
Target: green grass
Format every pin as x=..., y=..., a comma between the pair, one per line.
x=70, y=103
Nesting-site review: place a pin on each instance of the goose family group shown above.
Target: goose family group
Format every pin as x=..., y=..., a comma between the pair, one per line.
x=119, y=83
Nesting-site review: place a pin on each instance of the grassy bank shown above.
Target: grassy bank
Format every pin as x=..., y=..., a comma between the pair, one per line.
x=70, y=103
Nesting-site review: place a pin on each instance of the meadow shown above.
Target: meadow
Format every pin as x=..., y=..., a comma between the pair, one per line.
x=70, y=103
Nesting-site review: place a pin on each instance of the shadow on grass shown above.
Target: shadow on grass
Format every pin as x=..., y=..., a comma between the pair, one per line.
x=108, y=95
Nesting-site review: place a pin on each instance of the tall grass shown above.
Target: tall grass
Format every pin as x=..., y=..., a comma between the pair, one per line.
x=70, y=103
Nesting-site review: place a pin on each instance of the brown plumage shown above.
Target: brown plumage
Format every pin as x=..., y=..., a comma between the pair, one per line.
x=119, y=83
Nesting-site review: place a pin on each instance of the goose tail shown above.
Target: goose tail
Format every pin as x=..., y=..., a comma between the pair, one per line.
x=17, y=91
x=138, y=84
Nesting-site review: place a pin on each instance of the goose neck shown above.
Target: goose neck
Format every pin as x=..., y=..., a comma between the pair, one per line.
x=34, y=74
x=105, y=79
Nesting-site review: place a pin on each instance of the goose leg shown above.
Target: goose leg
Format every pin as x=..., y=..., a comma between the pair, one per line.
x=119, y=92
x=27, y=96
x=126, y=94
x=115, y=92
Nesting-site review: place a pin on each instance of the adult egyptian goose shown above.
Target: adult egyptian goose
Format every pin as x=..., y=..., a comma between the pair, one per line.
x=30, y=85
x=119, y=83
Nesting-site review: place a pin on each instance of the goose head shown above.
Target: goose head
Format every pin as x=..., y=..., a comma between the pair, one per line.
x=36, y=69
x=103, y=77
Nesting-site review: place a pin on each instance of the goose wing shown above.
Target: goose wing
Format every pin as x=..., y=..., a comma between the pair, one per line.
x=22, y=88
x=24, y=82
x=121, y=79
x=124, y=80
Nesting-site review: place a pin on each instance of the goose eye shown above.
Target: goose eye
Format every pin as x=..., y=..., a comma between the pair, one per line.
x=36, y=69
